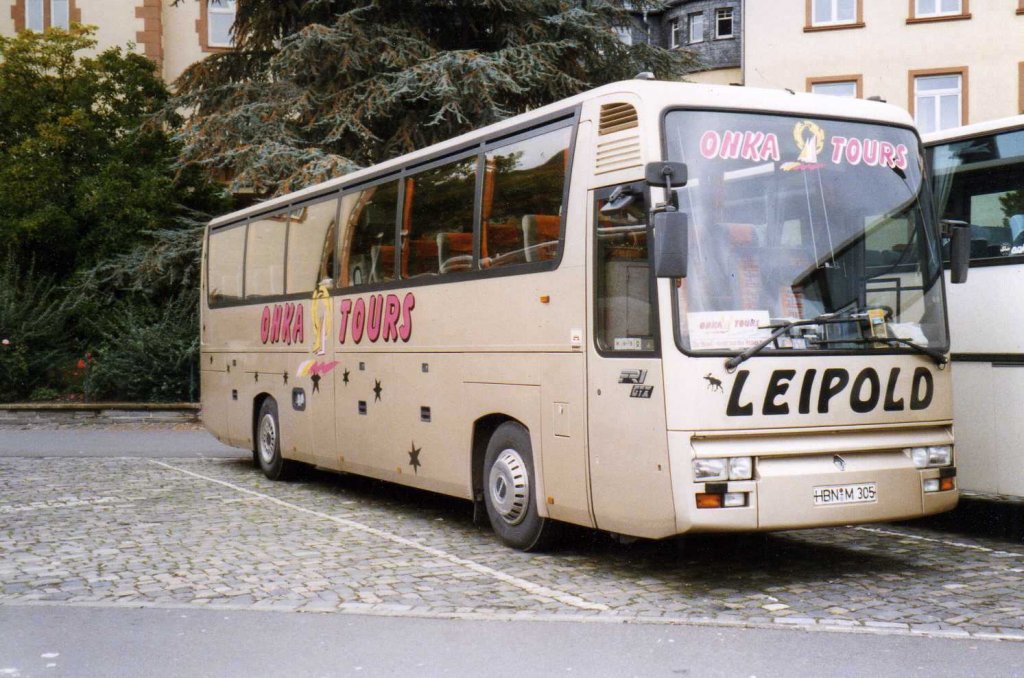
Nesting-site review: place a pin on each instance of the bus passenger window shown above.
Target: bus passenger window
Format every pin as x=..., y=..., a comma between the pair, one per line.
x=308, y=262
x=224, y=264
x=522, y=202
x=623, y=311
x=437, y=227
x=264, y=256
x=367, y=225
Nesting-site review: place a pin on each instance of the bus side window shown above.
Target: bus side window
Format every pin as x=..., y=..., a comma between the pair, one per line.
x=307, y=234
x=264, y=256
x=522, y=202
x=224, y=264
x=439, y=220
x=367, y=235
x=623, y=311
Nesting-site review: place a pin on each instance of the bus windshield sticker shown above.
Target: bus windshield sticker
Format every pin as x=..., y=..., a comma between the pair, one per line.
x=813, y=145
x=727, y=330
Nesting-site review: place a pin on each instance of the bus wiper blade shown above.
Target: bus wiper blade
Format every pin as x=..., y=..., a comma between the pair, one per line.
x=938, y=356
x=823, y=319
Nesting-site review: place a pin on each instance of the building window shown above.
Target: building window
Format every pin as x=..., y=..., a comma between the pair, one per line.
x=939, y=100
x=834, y=12
x=938, y=10
x=927, y=8
x=842, y=86
x=675, y=28
x=723, y=23
x=695, y=24
x=220, y=19
x=624, y=34
x=43, y=14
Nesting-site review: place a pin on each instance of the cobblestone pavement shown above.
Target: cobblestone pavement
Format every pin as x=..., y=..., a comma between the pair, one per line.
x=216, y=533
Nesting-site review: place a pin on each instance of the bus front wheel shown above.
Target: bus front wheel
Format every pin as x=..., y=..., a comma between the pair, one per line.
x=510, y=490
x=268, y=443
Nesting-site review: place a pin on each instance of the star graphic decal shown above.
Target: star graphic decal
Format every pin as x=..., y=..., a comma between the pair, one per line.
x=377, y=390
x=344, y=377
x=316, y=382
x=414, y=458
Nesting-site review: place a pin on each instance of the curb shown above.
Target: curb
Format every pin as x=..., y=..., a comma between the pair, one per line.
x=28, y=414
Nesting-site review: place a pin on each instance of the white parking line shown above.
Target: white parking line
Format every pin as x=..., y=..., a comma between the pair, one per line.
x=945, y=542
x=529, y=587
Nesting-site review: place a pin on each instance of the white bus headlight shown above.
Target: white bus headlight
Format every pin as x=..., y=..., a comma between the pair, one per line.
x=728, y=468
x=931, y=456
x=710, y=469
x=741, y=468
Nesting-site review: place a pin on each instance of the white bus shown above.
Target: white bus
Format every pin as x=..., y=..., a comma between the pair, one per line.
x=653, y=308
x=978, y=179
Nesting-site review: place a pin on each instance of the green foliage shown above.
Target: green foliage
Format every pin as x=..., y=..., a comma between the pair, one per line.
x=44, y=394
x=84, y=171
x=319, y=87
x=149, y=354
x=33, y=330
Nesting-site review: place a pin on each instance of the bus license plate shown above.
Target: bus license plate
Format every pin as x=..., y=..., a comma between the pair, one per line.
x=859, y=493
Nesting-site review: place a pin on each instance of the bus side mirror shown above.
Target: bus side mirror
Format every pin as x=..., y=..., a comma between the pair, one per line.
x=670, y=244
x=667, y=174
x=959, y=249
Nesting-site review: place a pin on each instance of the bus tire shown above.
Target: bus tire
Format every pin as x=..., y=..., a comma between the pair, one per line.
x=510, y=490
x=268, y=443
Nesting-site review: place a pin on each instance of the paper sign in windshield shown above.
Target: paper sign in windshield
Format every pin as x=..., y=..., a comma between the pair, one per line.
x=814, y=147
x=726, y=330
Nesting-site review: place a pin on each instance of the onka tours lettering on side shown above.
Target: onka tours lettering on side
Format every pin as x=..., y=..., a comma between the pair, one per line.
x=378, y=317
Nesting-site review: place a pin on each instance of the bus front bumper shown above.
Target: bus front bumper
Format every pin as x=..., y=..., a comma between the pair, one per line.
x=850, y=481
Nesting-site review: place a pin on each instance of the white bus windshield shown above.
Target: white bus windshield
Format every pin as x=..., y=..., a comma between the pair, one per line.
x=793, y=219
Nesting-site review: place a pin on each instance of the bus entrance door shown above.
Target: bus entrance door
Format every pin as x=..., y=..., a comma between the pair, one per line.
x=629, y=468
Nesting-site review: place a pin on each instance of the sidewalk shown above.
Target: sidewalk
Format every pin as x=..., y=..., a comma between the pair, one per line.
x=45, y=415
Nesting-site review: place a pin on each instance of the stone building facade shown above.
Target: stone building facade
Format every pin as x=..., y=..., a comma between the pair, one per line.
x=711, y=29
x=174, y=36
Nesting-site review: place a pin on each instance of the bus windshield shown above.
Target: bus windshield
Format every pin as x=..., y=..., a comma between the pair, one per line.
x=794, y=219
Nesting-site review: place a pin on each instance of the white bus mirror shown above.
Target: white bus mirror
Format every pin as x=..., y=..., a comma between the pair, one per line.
x=670, y=244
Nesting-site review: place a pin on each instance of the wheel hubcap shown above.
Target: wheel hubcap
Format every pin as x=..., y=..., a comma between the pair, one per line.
x=509, y=486
x=268, y=440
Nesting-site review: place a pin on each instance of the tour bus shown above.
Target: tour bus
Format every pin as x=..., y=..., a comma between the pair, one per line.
x=653, y=308
x=977, y=176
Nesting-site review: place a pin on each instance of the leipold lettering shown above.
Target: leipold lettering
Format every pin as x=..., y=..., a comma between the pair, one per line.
x=864, y=393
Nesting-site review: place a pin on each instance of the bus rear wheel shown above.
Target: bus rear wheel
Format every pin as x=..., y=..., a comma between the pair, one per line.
x=268, y=443
x=510, y=490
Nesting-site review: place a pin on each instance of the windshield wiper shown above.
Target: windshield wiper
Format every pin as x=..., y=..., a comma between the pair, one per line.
x=823, y=319
x=938, y=356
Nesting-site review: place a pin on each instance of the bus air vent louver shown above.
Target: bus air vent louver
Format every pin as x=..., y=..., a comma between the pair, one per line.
x=619, y=145
x=617, y=117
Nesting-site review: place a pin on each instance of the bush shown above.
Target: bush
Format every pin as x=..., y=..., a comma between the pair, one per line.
x=33, y=331
x=44, y=394
x=147, y=354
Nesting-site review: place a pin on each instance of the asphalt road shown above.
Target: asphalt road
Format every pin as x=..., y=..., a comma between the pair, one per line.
x=173, y=557
x=91, y=641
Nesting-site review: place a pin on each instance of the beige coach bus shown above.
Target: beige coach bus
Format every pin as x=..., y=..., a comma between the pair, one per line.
x=653, y=308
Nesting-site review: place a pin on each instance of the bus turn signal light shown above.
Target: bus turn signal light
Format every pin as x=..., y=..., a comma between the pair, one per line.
x=721, y=500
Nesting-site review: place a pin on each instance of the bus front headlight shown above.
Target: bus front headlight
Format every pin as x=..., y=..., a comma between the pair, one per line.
x=705, y=470
x=930, y=456
x=726, y=468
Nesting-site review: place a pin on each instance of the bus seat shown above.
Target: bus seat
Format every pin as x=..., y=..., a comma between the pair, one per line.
x=502, y=244
x=540, y=236
x=382, y=263
x=419, y=257
x=454, y=252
